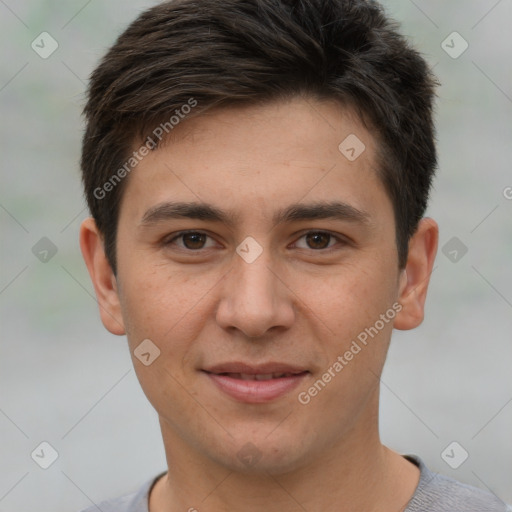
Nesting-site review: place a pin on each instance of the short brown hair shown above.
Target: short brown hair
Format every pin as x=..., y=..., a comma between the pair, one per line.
x=229, y=52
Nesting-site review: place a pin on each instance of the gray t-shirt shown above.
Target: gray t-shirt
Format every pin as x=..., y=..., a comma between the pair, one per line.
x=435, y=493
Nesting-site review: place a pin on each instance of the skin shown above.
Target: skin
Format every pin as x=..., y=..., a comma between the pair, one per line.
x=302, y=302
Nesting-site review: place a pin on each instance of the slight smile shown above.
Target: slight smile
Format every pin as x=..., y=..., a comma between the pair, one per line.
x=256, y=384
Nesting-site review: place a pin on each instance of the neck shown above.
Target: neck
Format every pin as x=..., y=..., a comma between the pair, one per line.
x=358, y=473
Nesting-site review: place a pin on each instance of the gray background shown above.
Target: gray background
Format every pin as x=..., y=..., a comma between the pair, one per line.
x=65, y=380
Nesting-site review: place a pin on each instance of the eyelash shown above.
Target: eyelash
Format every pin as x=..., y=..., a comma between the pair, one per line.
x=339, y=239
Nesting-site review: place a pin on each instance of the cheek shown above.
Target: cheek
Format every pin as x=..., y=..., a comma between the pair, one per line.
x=164, y=305
x=349, y=299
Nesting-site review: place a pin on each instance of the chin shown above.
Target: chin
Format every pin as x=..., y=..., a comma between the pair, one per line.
x=258, y=455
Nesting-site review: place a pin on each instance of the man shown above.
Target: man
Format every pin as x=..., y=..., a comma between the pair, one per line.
x=257, y=173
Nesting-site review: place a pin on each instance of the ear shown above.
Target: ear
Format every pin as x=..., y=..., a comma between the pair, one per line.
x=414, y=279
x=102, y=276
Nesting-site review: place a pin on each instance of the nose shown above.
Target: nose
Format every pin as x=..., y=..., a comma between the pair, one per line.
x=255, y=298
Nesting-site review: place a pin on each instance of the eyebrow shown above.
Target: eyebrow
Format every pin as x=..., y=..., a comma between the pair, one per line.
x=296, y=212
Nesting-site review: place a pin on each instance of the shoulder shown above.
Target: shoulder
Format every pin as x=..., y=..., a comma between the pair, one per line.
x=134, y=502
x=439, y=493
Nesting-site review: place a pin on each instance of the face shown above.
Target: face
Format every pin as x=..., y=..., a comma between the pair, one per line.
x=260, y=260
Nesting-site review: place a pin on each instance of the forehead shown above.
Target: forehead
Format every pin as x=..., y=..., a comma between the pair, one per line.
x=261, y=157
x=302, y=124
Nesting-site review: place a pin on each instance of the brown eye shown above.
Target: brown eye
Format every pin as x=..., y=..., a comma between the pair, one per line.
x=322, y=242
x=318, y=239
x=191, y=240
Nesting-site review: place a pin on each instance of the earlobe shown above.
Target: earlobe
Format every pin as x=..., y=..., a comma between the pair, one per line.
x=102, y=276
x=415, y=278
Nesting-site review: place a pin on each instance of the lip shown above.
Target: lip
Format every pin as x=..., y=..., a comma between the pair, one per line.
x=255, y=391
x=255, y=369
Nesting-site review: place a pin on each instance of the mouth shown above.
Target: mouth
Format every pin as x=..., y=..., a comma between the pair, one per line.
x=255, y=384
x=258, y=376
